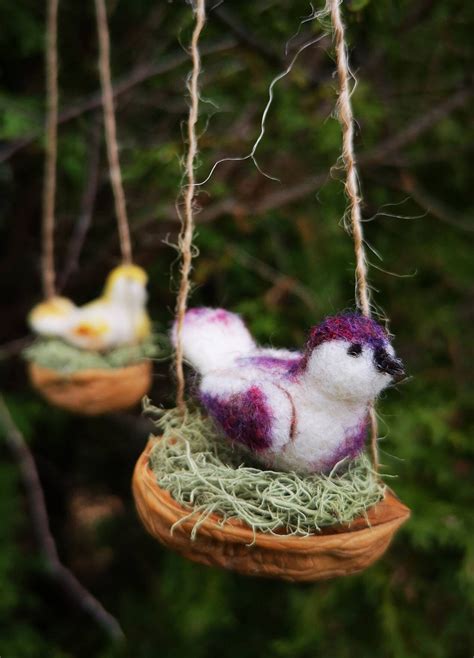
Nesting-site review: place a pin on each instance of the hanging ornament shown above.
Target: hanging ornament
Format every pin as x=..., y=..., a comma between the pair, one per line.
x=317, y=508
x=90, y=359
x=294, y=411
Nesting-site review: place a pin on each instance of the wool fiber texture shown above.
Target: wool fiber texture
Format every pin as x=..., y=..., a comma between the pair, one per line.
x=295, y=411
x=210, y=476
x=118, y=317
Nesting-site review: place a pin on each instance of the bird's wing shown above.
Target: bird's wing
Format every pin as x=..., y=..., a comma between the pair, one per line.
x=271, y=361
x=278, y=353
x=257, y=414
x=102, y=324
x=91, y=328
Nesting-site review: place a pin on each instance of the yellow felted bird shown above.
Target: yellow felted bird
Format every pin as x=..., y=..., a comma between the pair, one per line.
x=116, y=318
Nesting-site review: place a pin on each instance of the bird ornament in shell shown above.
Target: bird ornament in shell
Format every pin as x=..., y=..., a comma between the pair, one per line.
x=296, y=411
x=118, y=317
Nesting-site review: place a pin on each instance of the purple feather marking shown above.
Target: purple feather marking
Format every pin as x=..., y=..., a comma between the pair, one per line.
x=350, y=327
x=244, y=417
x=270, y=362
x=218, y=315
x=196, y=312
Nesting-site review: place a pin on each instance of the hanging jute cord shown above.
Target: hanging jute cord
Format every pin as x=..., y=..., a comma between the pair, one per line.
x=111, y=131
x=49, y=185
x=346, y=118
x=187, y=219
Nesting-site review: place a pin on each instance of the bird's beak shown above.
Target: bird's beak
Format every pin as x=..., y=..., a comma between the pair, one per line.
x=389, y=364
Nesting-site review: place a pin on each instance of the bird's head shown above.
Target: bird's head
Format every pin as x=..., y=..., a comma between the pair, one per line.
x=350, y=358
x=126, y=284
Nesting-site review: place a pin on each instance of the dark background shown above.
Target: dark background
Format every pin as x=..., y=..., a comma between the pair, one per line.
x=275, y=252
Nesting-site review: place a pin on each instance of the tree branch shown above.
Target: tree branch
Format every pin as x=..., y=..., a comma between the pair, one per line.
x=419, y=126
x=423, y=198
x=227, y=18
x=293, y=193
x=389, y=146
x=273, y=276
x=139, y=74
x=47, y=546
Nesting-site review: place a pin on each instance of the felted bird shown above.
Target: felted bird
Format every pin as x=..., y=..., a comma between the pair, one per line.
x=295, y=411
x=116, y=318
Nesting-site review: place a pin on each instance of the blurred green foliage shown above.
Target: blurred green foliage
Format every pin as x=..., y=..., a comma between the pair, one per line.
x=277, y=253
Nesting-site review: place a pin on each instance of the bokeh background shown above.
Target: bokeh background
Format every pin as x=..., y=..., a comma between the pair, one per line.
x=274, y=251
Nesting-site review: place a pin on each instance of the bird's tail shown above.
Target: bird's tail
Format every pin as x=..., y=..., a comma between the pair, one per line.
x=52, y=317
x=213, y=338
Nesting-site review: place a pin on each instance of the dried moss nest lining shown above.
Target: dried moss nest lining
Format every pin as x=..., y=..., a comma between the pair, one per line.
x=206, y=474
x=56, y=354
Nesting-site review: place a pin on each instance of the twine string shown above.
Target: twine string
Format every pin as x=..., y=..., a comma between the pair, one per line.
x=111, y=131
x=51, y=130
x=187, y=219
x=351, y=184
x=346, y=118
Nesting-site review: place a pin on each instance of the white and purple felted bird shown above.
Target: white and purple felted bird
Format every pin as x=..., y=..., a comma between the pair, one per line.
x=295, y=411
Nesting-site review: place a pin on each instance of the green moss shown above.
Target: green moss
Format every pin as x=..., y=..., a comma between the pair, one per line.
x=206, y=474
x=58, y=355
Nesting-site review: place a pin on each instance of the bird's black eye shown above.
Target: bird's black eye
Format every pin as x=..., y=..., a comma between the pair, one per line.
x=355, y=349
